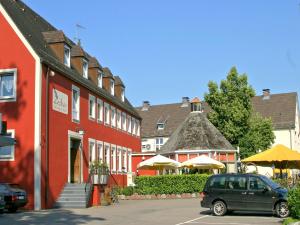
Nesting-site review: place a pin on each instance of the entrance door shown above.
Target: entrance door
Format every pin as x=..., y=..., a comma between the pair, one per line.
x=75, y=163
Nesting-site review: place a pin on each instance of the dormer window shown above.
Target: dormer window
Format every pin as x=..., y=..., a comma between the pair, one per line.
x=100, y=79
x=85, y=68
x=123, y=94
x=67, y=56
x=112, y=87
x=160, y=126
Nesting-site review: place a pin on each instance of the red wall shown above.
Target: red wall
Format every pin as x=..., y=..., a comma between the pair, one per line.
x=19, y=114
x=136, y=160
x=60, y=123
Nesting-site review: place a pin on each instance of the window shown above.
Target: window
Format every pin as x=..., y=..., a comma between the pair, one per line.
x=114, y=158
x=129, y=124
x=160, y=126
x=75, y=103
x=237, y=183
x=138, y=128
x=113, y=116
x=100, y=110
x=159, y=142
x=119, y=159
x=92, y=107
x=107, y=155
x=256, y=184
x=92, y=151
x=129, y=160
x=8, y=82
x=217, y=182
x=67, y=56
x=85, y=69
x=133, y=126
x=124, y=169
x=123, y=94
x=106, y=114
x=119, y=121
x=112, y=87
x=100, y=151
x=100, y=79
x=124, y=121
x=7, y=153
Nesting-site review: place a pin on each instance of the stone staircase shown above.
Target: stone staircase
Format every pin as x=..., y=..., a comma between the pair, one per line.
x=74, y=196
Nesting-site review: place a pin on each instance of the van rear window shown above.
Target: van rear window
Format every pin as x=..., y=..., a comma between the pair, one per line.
x=217, y=182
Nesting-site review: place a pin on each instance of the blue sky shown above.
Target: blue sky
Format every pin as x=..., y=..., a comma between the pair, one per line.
x=164, y=50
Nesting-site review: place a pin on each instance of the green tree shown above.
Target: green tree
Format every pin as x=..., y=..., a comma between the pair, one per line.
x=232, y=111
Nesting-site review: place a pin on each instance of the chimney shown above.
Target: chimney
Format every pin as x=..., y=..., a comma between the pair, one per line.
x=146, y=106
x=266, y=94
x=95, y=72
x=119, y=88
x=185, y=102
x=108, y=81
x=79, y=60
x=59, y=44
x=196, y=105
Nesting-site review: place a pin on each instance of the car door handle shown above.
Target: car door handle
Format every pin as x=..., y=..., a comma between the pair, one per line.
x=244, y=193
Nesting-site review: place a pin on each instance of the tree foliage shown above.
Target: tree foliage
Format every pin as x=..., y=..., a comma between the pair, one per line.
x=232, y=114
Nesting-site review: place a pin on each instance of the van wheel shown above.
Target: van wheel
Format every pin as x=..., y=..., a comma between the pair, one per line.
x=219, y=208
x=282, y=209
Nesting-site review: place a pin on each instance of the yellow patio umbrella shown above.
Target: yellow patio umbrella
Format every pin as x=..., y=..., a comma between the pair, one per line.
x=203, y=162
x=158, y=162
x=279, y=156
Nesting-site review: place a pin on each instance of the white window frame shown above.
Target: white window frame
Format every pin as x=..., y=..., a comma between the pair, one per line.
x=106, y=113
x=13, y=97
x=125, y=159
x=119, y=119
x=114, y=157
x=120, y=161
x=93, y=99
x=100, y=79
x=12, y=156
x=75, y=88
x=100, y=153
x=133, y=126
x=112, y=87
x=107, y=160
x=129, y=118
x=159, y=145
x=138, y=131
x=123, y=94
x=99, y=110
x=124, y=121
x=129, y=160
x=67, y=60
x=92, y=152
x=113, y=116
x=85, y=68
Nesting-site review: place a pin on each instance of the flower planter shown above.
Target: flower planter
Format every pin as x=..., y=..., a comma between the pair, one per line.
x=100, y=179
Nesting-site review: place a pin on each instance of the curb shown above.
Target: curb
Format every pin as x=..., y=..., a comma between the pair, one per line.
x=159, y=196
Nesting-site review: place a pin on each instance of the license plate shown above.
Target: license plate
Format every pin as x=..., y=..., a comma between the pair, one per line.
x=21, y=197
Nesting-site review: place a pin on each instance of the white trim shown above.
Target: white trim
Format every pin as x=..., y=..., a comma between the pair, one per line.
x=113, y=115
x=119, y=155
x=144, y=154
x=114, y=158
x=102, y=150
x=100, y=102
x=106, y=157
x=13, y=135
x=91, y=140
x=93, y=99
x=37, y=111
x=14, y=97
x=76, y=120
x=85, y=70
x=75, y=135
x=201, y=151
x=68, y=64
x=107, y=117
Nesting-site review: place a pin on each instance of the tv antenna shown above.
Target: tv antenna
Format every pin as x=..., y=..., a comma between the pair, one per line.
x=78, y=28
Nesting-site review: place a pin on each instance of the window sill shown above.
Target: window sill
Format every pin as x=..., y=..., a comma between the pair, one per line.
x=8, y=99
x=75, y=121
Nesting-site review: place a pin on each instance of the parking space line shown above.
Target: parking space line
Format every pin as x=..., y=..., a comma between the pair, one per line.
x=190, y=221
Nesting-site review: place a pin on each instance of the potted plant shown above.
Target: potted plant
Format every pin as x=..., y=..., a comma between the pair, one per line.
x=99, y=171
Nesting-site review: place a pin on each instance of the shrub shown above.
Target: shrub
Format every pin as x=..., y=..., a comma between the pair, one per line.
x=294, y=202
x=128, y=191
x=170, y=184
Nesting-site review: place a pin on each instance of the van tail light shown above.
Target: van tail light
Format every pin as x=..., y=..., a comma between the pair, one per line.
x=202, y=194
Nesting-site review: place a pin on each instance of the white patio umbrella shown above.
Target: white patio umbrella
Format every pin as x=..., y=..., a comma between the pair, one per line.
x=203, y=162
x=158, y=162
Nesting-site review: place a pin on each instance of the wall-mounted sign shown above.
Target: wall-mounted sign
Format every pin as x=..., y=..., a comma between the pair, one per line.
x=60, y=101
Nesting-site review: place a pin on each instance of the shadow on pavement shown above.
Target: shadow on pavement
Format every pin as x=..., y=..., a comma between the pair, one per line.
x=242, y=213
x=47, y=217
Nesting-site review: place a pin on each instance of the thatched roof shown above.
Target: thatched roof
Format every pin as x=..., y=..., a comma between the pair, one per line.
x=196, y=133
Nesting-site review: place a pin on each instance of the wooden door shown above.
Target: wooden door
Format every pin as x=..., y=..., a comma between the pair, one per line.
x=75, y=165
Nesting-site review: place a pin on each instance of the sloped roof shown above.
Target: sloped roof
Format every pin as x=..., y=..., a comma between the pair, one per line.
x=281, y=108
x=196, y=132
x=32, y=27
x=118, y=81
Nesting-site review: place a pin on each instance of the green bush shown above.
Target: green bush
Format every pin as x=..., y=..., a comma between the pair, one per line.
x=294, y=202
x=128, y=191
x=170, y=184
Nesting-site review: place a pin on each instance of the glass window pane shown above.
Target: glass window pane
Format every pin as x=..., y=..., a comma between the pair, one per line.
x=7, y=85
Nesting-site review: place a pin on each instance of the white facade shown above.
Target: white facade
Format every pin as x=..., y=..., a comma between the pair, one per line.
x=150, y=144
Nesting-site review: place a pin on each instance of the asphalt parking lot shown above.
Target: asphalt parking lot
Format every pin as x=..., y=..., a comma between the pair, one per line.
x=140, y=212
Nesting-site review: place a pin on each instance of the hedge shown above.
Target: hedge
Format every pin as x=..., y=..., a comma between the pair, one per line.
x=170, y=184
x=294, y=202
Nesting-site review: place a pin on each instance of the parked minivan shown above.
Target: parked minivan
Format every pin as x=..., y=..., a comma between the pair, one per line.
x=249, y=192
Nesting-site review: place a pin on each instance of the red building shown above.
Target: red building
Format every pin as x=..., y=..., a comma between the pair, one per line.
x=61, y=106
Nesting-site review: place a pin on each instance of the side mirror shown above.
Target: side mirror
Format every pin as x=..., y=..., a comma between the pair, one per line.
x=266, y=189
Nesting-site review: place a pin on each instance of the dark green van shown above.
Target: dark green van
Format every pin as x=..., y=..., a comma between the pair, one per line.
x=244, y=192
